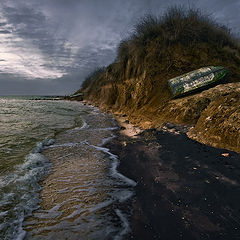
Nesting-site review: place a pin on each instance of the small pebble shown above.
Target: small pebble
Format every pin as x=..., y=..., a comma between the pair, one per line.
x=225, y=154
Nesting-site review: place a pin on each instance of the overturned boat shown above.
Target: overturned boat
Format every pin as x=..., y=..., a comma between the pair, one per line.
x=196, y=80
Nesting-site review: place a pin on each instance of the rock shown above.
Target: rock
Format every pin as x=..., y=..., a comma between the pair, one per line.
x=214, y=115
x=219, y=123
x=211, y=117
x=225, y=154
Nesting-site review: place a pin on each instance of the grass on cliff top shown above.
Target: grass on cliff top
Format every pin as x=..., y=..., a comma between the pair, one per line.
x=164, y=47
x=173, y=38
x=92, y=78
x=176, y=26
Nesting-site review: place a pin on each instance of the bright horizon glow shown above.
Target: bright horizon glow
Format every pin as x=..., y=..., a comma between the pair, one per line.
x=20, y=57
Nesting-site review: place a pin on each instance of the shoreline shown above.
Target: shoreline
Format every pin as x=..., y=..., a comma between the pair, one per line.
x=83, y=192
x=179, y=182
x=212, y=115
x=185, y=189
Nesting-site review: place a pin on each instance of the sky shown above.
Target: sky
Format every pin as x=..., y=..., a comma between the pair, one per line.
x=48, y=47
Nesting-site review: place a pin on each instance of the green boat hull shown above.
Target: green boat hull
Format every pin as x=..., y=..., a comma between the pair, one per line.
x=196, y=80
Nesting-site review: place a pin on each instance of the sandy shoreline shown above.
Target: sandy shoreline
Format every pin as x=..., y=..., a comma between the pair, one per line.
x=126, y=128
x=185, y=190
x=84, y=196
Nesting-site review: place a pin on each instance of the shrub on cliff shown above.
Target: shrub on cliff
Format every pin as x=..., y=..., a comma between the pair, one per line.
x=92, y=77
x=176, y=36
x=178, y=25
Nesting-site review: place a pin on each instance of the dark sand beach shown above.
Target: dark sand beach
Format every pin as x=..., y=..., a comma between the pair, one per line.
x=185, y=190
x=187, y=184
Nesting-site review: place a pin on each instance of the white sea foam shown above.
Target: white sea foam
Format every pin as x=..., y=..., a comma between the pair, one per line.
x=115, y=163
x=123, y=195
x=125, y=225
x=84, y=126
x=76, y=212
x=41, y=145
x=24, y=185
x=104, y=129
x=101, y=205
x=24, y=123
x=73, y=144
x=120, y=195
x=117, y=188
x=2, y=214
x=63, y=190
x=108, y=139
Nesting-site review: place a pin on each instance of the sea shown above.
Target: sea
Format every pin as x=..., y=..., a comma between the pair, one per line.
x=57, y=180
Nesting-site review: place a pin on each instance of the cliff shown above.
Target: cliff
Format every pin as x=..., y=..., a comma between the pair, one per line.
x=163, y=48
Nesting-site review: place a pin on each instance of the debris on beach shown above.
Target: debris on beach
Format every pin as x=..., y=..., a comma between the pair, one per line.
x=225, y=154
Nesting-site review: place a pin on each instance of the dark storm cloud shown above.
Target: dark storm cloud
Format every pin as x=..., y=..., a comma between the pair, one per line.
x=65, y=40
x=3, y=24
x=4, y=32
x=33, y=25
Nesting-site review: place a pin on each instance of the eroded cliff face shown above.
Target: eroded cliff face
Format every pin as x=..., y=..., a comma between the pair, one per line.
x=219, y=124
x=213, y=114
x=159, y=49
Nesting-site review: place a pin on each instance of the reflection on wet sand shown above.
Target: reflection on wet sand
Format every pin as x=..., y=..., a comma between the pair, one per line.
x=80, y=197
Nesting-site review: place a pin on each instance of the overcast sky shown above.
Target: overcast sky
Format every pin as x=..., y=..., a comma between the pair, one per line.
x=49, y=46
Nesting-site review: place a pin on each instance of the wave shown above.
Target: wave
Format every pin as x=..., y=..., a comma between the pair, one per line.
x=19, y=192
x=121, y=195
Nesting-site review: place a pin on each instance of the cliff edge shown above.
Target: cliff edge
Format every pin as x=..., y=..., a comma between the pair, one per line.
x=160, y=49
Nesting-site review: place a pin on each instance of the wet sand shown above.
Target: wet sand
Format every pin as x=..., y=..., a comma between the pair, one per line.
x=185, y=190
x=83, y=197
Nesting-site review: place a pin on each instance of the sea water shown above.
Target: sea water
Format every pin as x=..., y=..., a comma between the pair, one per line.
x=60, y=143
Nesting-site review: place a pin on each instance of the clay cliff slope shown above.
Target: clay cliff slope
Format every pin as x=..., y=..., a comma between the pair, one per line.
x=163, y=48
